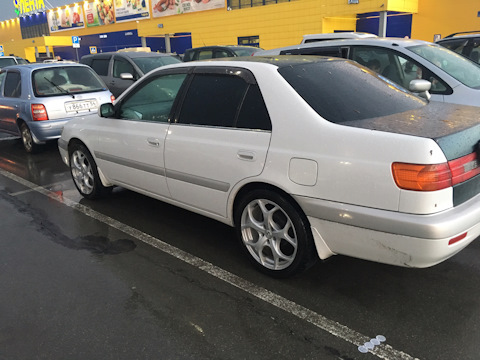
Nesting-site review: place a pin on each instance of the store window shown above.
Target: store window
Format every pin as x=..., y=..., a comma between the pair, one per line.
x=249, y=40
x=240, y=4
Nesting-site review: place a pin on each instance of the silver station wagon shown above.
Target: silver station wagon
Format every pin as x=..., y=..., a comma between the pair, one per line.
x=36, y=100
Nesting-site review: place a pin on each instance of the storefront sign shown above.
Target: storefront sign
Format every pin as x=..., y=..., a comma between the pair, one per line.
x=172, y=7
x=99, y=13
x=65, y=19
x=131, y=10
x=28, y=6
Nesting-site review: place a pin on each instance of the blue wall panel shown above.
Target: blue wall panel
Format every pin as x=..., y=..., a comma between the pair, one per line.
x=398, y=25
x=117, y=40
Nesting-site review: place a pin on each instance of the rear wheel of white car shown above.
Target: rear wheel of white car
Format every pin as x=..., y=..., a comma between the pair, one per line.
x=84, y=173
x=27, y=139
x=275, y=234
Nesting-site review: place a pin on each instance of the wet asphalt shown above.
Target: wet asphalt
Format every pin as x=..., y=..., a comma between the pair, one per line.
x=78, y=280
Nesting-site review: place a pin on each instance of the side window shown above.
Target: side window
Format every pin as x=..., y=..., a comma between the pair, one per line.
x=152, y=101
x=204, y=54
x=2, y=77
x=322, y=51
x=100, y=66
x=213, y=100
x=396, y=67
x=456, y=45
x=254, y=114
x=13, y=87
x=121, y=66
x=221, y=54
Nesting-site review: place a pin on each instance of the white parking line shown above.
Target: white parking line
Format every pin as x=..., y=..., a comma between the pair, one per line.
x=382, y=351
x=9, y=138
x=37, y=188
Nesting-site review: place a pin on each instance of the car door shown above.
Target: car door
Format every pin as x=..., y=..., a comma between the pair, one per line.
x=131, y=144
x=11, y=101
x=120, y=66
x=220, y=137
x=399, y=68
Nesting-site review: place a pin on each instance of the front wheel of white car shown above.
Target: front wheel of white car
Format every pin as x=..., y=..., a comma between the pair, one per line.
x=84, y=173
x=275, y=234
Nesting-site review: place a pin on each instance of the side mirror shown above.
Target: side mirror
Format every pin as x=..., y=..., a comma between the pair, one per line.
x=421, y=87
x=126, y=76
x=106, y=110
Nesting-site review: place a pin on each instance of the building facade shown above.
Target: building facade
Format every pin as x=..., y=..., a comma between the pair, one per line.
x=173, y=26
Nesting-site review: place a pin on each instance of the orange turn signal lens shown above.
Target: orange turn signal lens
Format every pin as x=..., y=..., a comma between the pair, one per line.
x=418, y=177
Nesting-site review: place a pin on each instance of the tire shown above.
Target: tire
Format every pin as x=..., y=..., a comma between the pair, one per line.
x=27, y=139
x=85, y=174
x=274, y=233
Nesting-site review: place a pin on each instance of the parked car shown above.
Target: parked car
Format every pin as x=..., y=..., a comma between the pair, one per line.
x=37, y=100
x=215, y=52
x=463, y=43
x=454, y=79
x=336, y=36
x=306, y=156
x=121, y=69
x=11, y=60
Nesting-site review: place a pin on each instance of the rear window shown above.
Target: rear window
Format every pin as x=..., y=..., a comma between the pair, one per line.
x=342, y=91
x=147, y=64
x=246, y=51
x=54, y=81
x=6, y=62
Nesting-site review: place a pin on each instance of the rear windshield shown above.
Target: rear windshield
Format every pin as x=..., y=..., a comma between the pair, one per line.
x=246, y=51
x=455, y=65
x=55, y=81
x=342, y=91
x=147, y=64
x=6, y=62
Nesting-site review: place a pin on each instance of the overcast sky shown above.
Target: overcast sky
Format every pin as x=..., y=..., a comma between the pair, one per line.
x=8, y=8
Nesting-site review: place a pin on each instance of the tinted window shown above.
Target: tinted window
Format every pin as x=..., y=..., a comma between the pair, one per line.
x=460, y=68
x=7, y=62
x=213, y=100
x=397, y=67
x=204, y=54
x=56, y=81
x=100, y=66
x=121, y=66
x=153, y=100
x=13, y=86
x=254, y=114
x=343, y=91
x=246, y=51
x=149, y=63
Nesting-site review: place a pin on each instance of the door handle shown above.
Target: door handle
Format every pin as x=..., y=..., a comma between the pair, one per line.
x=153, y=142
x=246, y=155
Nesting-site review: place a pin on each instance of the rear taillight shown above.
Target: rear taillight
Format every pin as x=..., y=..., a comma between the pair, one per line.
x=39, y=113
x=437, y=176
x=112, y=98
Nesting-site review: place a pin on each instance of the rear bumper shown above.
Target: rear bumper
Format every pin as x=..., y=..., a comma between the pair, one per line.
x=391, y=237
x=48, y=129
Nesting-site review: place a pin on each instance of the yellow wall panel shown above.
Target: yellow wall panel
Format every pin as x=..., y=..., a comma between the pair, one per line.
x=445, y=17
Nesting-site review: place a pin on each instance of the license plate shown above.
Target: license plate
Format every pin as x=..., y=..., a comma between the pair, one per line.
x=80, y=105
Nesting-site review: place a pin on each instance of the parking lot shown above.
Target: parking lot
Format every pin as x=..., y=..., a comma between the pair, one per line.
x=129, y=277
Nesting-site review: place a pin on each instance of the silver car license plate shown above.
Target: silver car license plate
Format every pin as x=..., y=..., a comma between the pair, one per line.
x=80, y=105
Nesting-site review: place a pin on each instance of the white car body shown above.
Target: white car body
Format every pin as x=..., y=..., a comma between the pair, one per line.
x=339, y=176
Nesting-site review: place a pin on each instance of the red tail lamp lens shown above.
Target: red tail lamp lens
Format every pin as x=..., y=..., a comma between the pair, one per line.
x=39, y=113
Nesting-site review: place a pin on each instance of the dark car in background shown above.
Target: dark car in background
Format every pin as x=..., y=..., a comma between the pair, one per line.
x=119, y=70
x=11, y=60
x=215, y=52
x=463, y=43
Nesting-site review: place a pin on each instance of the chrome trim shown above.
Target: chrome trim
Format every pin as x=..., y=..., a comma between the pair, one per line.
x=197, y=180
x=129, y=163
x=441, y=225
x=172, y=174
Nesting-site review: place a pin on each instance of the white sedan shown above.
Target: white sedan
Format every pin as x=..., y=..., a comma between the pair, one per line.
x=307, y=157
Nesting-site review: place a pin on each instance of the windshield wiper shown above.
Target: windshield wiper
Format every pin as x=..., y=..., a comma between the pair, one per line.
x=60, y=88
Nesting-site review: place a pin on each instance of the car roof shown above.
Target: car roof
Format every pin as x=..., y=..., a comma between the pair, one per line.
x=223, y=47
x=35, y=66
x=131, y=54
x=460, y=35
x=385, y=42
x=338, y=35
